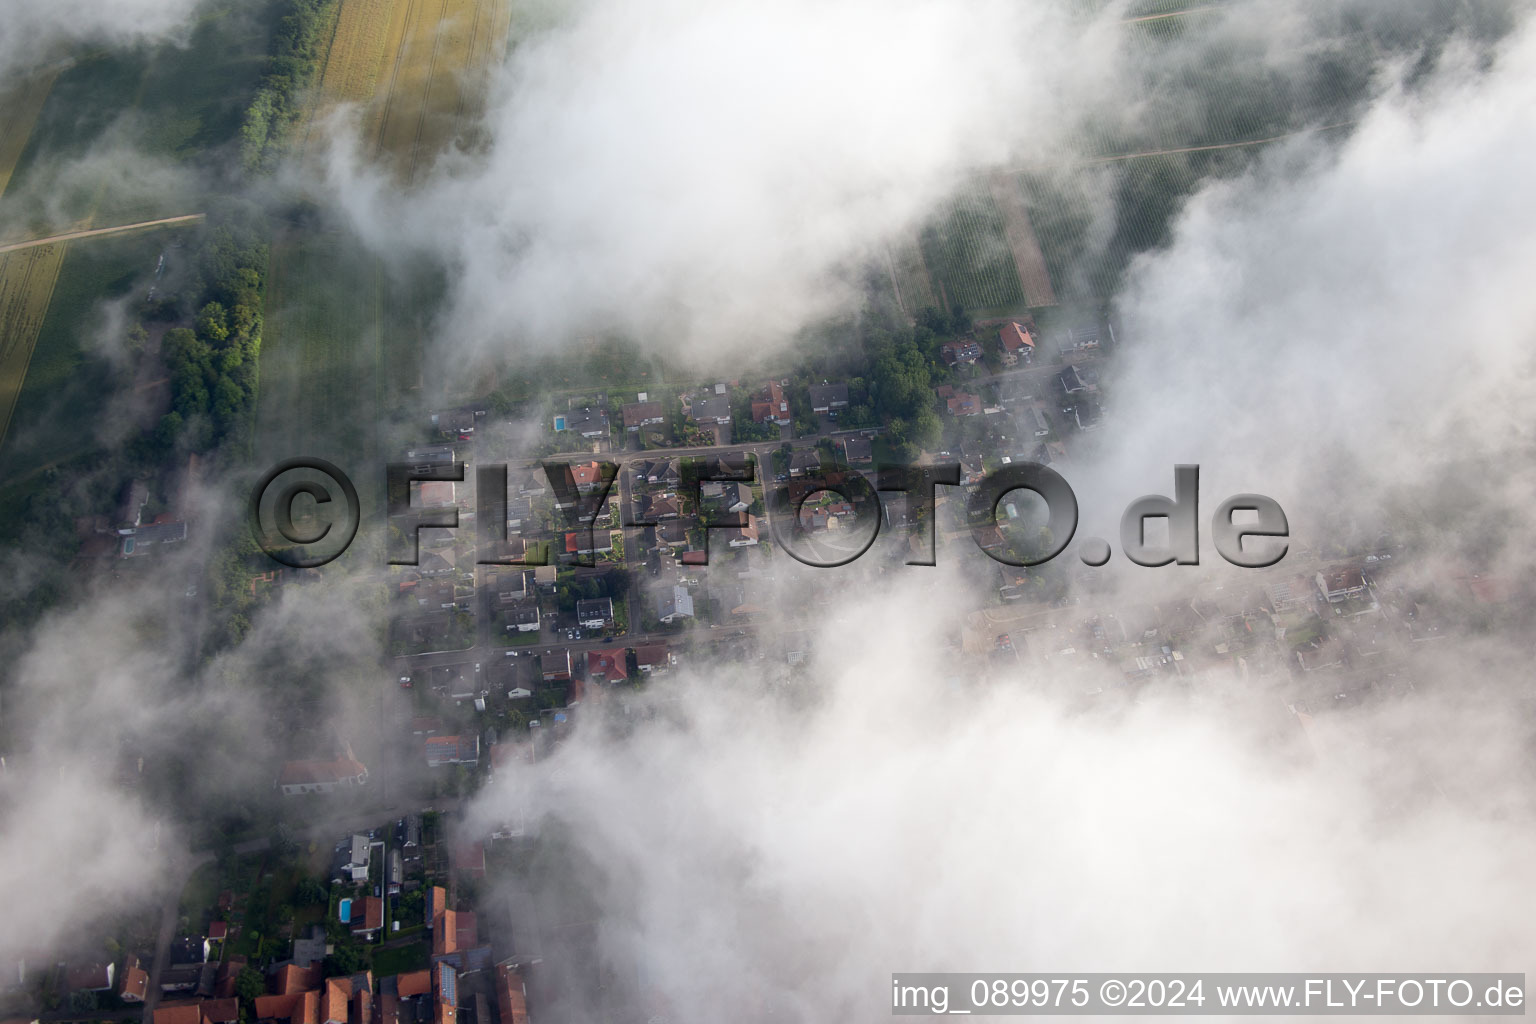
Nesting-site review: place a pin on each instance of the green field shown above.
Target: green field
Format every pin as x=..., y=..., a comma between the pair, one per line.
x=182, y=104
x=60, y=408
x=968, y=256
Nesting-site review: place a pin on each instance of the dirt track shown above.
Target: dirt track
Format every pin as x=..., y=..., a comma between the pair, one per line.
x=70, y=236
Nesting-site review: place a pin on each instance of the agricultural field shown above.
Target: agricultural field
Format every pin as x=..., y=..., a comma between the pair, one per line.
x=333, y=324
x=21, y=101
x=1025, y=247
x=433, y=87
x=186, y=102
x=909, y=277
x=319, y=343
x=27, y=279
x=968, y=256
x=59, y=409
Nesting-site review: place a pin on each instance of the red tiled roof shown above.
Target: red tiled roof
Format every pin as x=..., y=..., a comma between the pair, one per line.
x=416, y=983
x=221, y=1011
x=437, y=902
x=373, y=914
x=1014, y=337
x=300, y=773
x=445, y=933
x=179, y=1013
x=468, y=931
x=586, y=473
x=610, y=661
x=469, y=857
x=509, y=996
x=277, y=1007
x=308, y=1009
x=291, y=978
x=437, y=492
x=337, y=992
x=135, y=983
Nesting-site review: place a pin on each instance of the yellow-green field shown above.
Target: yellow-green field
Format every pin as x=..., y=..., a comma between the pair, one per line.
x=420, y=70
x=20, y=104
x=434, y=84
x=27, y=279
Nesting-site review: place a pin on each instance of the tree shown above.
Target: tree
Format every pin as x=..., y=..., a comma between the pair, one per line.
x=310, y=891
x=213, y=322
x=249, y=984
x=345, y=958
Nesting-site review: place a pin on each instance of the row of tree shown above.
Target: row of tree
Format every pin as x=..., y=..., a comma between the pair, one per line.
x=298, y=46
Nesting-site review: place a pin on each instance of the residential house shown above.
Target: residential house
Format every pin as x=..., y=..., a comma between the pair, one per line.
x=595, y=613
x=1015, y=343
x=736, y=598
x=414, y=983
x=437, y=902
x=523, y=615
x=710, y=409
x=1077, y=380
x=1088, y=413
x=856, y=449
x=770, y=406
x=511, y=995
x=446, y=750
x=673, y=533
x=350, y=864
x=727, y=496
x=321, y=776
x=1342, y=585
x=657, y=471
x=179, y=1013
x=674, y=603
x=557, y=666
x=437, y=494
x=1032, y=421
x=827, y=399
x=589, y=418
x=1084, y=336
x=576, y=543
x=959, y=403
x=803, y=461
x=822, y=517
x=655, y=509
x=961, y=350
x=638, y=415
x=588, y=476
x=743, y=536
x=1320, y=654
x=458, y=423
x=1016, y=391
x=367, y=925
x=652, y=659
x=141, y=540
x=607, y=665
x=135, y=982
x=92, y=977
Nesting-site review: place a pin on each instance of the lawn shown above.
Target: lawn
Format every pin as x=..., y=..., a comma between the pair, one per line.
x=399, y=959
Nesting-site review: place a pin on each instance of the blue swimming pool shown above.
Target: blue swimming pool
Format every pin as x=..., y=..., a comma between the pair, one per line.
x=344, y=911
